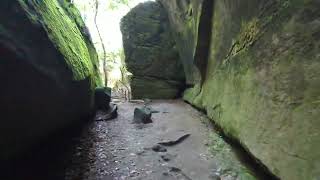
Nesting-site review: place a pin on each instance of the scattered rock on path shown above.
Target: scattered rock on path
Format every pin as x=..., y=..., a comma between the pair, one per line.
x=175, y=142
x=167, y=157
x=215, y=177
x=140, y=153
x=175, y=169
x=179, y=171
x=142, y=116
x=159, y=148
x=102, y=98
x=110, y=114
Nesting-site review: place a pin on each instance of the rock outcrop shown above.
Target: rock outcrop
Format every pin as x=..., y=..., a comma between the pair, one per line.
x=256, y=75
x=48, y=71
x=151, y=54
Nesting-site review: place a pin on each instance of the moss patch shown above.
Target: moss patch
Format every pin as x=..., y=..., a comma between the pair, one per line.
x=65, y=34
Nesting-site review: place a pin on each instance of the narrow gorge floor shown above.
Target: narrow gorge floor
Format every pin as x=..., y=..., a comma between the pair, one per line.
x=119, y=149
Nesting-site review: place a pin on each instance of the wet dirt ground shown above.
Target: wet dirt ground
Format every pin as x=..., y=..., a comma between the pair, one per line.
x=120, y=150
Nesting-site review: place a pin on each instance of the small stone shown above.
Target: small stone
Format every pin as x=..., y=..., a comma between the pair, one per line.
x=215, y=177
x=175, y=169
x=133, y=173
x=102, y=98
x=165, y=173
x=142, y=116
x=149, y=172
x=166, y=157
x=159, y=148
x=140, y=153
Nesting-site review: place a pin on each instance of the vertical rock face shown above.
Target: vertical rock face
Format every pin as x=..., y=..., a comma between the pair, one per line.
x=151, y=54
x=184, y=17
x=261, y=78
x=48, y=71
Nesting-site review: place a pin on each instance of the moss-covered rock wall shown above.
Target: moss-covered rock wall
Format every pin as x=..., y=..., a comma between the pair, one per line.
x=48, y=71
x=262, y=80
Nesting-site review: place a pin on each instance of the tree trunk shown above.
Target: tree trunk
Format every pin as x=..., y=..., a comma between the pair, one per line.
x=102, y=44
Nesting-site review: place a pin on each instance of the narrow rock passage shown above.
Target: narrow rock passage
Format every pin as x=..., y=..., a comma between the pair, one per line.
x=131, y=145
x=119, y=149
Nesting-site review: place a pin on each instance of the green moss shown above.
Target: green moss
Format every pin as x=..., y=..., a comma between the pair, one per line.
x=74, y=14
x=67, y=30
x=228, y=159
x=66, y=36
x=191, y=94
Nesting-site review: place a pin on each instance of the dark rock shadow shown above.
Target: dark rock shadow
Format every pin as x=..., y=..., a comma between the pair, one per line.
x=53, y=158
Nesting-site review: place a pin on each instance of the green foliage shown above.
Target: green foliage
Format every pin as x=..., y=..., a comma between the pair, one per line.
x=74, y=14
x=115, y=4
x=116, y=60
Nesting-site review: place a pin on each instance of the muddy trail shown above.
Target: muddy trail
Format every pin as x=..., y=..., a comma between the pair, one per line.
x=119, y=149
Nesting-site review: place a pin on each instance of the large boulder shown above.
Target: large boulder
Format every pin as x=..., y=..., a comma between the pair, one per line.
x=48, y=71
x=151, y=54
x=261, y=78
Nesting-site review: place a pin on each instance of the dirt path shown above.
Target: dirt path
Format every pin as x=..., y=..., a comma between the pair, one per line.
x=119, y=149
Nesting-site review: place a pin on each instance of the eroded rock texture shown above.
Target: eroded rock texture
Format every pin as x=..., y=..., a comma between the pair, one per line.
x=151, y=54
x=260, y=78
x=48, y=71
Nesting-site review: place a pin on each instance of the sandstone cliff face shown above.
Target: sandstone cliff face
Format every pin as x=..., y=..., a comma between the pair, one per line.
x=151, y=54
x=260, y=80
x=48, y=71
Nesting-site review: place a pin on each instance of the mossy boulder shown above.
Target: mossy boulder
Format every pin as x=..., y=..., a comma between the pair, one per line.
x=151, y=52
x=48, y=71
x=262, y=79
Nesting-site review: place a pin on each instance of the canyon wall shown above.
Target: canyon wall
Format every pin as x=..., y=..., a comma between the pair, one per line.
x=254, y=66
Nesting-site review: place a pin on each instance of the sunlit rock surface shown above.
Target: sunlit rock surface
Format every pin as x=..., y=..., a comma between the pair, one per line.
x=151, y=54
x=261, y=78
x=48, y=71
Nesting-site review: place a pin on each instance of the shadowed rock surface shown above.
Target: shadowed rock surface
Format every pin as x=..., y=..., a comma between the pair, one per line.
x=151, y=54
x=48, y=71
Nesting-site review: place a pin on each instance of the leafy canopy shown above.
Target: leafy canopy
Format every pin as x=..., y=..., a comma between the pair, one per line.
x=115, y=4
